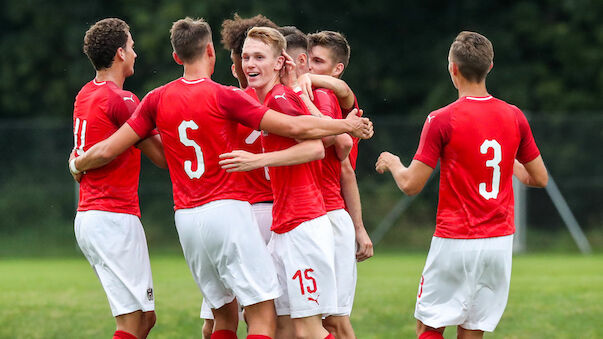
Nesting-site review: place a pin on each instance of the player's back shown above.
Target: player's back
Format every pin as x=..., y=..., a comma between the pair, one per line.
x=481, y=138
x=296, y=189
x=330, y=177
x=197, y=121
x=100, y=108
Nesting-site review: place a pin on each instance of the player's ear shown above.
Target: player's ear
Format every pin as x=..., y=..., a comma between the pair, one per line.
x=280, y=61
x=120, y=53
x=176, y=58
x=338, y=69
x=233, y=69
x=302, y=59
x=209, y=50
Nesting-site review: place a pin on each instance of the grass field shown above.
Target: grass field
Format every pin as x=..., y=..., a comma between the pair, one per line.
x=552, y=296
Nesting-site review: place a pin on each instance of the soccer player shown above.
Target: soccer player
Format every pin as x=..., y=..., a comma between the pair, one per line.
x=257, y=181
x=107, y=224
x=481, y=142
x=197, y=120
x=302, y=243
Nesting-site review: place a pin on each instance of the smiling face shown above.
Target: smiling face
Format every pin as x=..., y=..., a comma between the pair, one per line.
x=261, y=64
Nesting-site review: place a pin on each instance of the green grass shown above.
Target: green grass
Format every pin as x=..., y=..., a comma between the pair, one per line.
x=552, y=296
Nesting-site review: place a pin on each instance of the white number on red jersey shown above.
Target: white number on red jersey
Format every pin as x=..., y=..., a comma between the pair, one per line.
x=82, y=136
x=188, y=165
x=251, y=138
x=494, y=164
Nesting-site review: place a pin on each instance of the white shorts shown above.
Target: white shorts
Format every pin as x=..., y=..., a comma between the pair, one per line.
x=263, y=215
x=225, y=253
x=465, y=282
x=116, y=247
x=344, y=238
x=304, y=265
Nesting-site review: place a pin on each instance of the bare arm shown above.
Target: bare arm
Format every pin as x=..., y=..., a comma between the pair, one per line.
x=309, y=127
x=153, y=149
x=342, y=91
x=103, y=152
x=411, y=179
x=343, y=146
x=305, y=151
x=532, y=173
x=351, y=196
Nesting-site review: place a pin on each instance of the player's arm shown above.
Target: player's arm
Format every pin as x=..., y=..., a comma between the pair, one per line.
x=411, y=179
x=351, y=196
x=103, y=152
x=304, y=151
x=309, y=127
x=532, y=173
x=152, y=147
x=342, y=91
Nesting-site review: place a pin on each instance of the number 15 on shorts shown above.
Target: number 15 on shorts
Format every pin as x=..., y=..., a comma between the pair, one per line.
x=306, y=280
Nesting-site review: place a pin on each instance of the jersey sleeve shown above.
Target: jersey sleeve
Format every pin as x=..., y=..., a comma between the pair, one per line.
x=324, y=102
x=142, y=120
x=527, y=150
x=239, y=106
x=434, y=136
x=122, y=108
x=290, y=104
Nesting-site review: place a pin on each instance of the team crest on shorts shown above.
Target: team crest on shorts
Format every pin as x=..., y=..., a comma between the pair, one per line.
x=150, y=294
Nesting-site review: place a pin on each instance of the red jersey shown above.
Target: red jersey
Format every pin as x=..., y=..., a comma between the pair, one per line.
x=100, y=109
x=354, y=151
x=258, y=180
x=330, y=183
x=477, y=140
x=198, y=121
x=297, y=196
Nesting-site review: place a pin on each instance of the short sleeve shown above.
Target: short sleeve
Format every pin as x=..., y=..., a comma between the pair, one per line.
x=143, y=119
x=324, y=102
x=434, y=136
x=288, y=103
x=122, y=107
x=527, y=150
x=239, y=106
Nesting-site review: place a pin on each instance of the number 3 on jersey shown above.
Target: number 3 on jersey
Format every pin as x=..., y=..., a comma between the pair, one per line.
x=487, y=144
x=188, y=165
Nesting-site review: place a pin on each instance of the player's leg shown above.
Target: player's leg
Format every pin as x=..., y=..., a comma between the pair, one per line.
x=284, y=327
x=344, y=239
x=309, y=327
x=226, y=318
x=147, y=322
x=261, y=318
x=208, y=320
x=462, y=333
x=130, y=323
x=426, y=332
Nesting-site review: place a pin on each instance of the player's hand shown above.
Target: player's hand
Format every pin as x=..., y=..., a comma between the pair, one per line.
x=364, y=244
x=386, y=161
x=240, y=161
x=76, y=177
x=362, y=127
x=305, y=83
x=288, y=73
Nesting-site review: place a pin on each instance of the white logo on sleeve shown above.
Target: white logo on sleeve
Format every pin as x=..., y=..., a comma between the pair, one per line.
x=280, y=96
x=131, y=98
x=429, y=117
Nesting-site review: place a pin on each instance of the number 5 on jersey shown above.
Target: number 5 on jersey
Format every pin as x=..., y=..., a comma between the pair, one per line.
x=188, y=165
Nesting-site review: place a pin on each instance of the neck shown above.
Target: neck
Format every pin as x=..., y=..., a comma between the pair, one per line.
x=472, y=89
x=197, y=70
x=263, y=91
x=111, y=74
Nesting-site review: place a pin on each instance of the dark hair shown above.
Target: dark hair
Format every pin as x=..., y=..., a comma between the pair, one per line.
x=189, y=38
x=103, y=39
x=295, y=38
x=473, y=53
x=234, y=31
x=335, y=42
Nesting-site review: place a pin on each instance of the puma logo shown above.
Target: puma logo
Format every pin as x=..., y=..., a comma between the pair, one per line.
x=314, y=300
x=131, y=98
x=280, y=96
x=429, y=117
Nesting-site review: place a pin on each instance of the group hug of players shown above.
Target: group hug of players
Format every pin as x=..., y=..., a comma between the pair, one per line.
x=267, y=207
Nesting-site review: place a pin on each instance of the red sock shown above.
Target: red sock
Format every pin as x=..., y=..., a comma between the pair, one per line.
x=258, y=336
x=431, y=335
x=123, y=335
x=330, y=336
x=224, y=334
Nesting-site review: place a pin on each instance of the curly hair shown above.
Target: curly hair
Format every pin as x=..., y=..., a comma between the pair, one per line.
x=102, y=41
x=235, y=30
